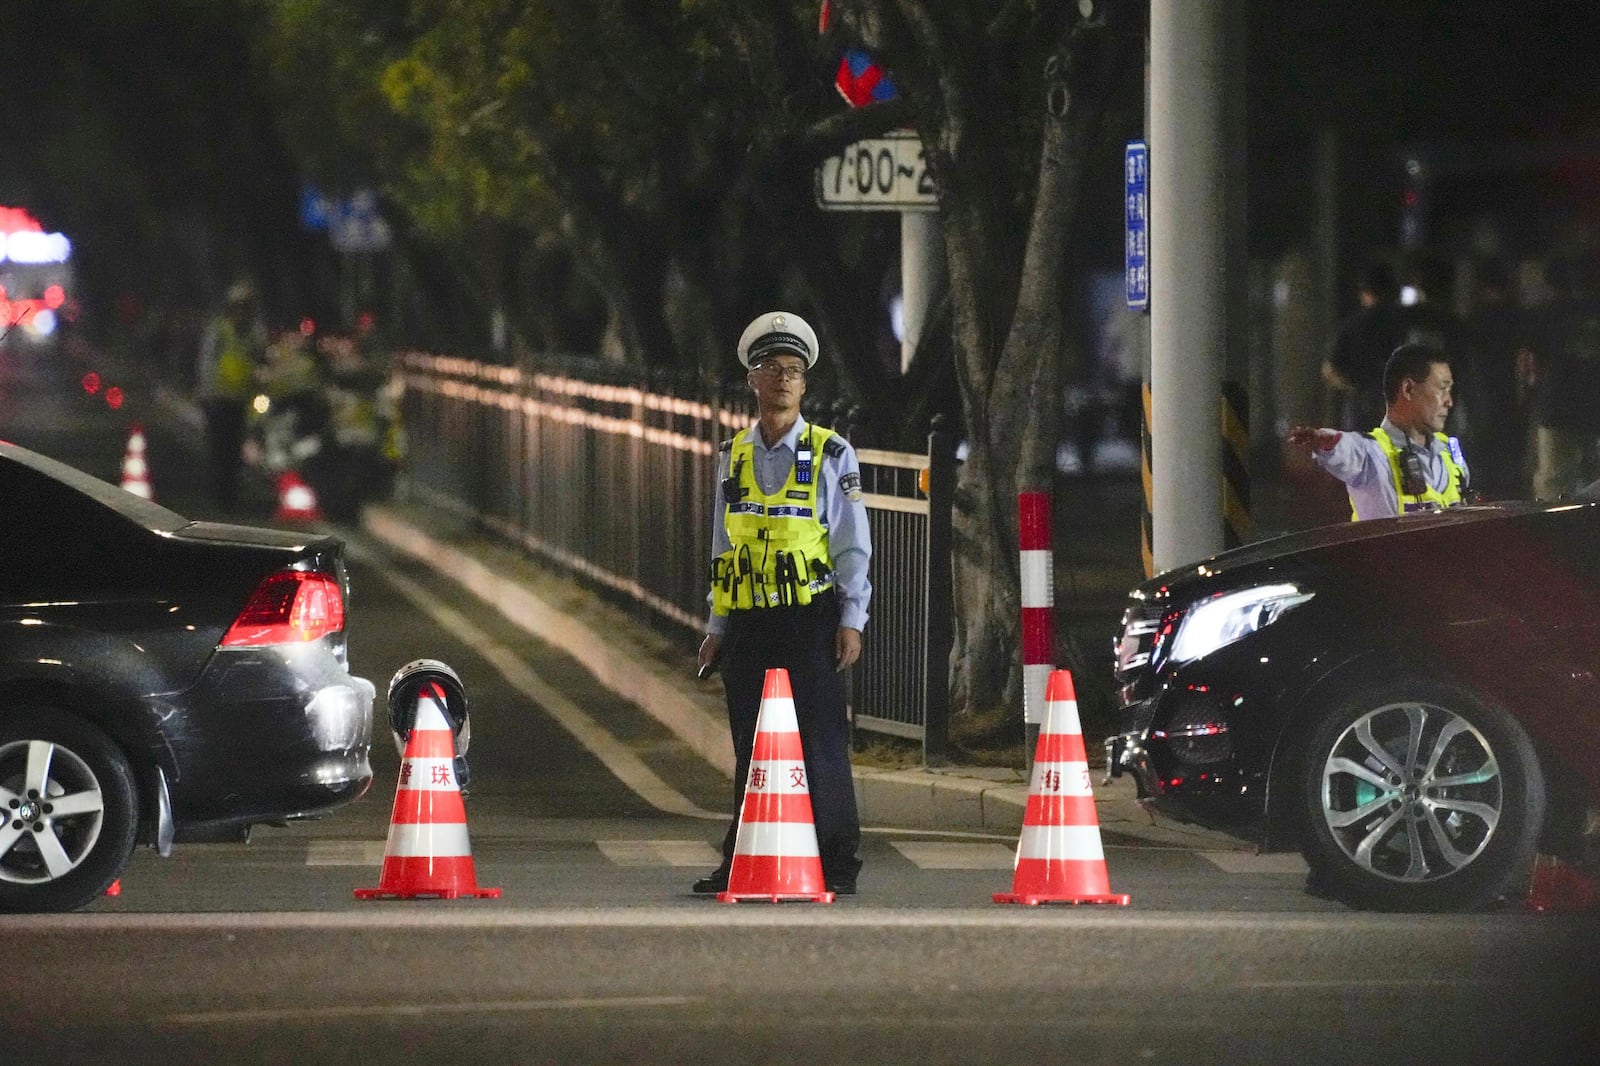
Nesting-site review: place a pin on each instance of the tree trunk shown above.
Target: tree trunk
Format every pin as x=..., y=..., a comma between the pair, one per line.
x=1009, y=296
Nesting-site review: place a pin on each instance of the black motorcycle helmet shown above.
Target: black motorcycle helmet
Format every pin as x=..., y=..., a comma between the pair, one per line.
x=405, y=689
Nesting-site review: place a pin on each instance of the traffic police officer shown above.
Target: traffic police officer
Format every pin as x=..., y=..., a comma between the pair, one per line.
x=1408, y=463
x=790, y=548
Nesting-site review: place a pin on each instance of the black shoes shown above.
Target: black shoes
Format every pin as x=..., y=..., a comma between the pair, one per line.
x=842, y=888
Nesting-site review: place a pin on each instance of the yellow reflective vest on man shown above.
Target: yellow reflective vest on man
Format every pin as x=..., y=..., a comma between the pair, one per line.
x=779, y=554
x=1430, y=498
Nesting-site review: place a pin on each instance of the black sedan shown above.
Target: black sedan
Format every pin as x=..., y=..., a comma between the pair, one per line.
x=1411, y=702
x=164, y=680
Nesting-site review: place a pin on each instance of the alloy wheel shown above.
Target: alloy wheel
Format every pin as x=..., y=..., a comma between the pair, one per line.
x=53, y=808
x=1412, y=792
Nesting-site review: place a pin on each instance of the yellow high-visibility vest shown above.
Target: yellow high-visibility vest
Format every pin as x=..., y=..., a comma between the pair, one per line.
x=1430, y=498
x=780, y=553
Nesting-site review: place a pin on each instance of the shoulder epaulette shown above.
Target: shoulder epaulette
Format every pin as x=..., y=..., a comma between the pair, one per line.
x=833, y=447
x=726, y=446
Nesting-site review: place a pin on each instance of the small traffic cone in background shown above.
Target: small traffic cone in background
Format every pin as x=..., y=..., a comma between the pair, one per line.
x=115, y=888
x=1559, y=888
x=1059, y=858
x=775, y=855
x=428, y=852
x=297, y=502
x=135, y=470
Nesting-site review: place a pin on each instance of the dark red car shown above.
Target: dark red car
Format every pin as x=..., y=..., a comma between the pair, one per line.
x=1411, y=702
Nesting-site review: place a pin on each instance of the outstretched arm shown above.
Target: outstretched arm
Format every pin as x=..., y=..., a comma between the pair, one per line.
x=1318, y=440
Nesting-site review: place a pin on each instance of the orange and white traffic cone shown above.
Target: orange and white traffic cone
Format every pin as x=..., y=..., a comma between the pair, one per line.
x=428, y=852
x=297, y=502
x=135, y=468
x=775, y=855
x=1059, y=858
x=1559, y=888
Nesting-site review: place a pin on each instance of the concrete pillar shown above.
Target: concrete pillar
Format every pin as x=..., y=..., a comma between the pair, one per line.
x=1194, y=51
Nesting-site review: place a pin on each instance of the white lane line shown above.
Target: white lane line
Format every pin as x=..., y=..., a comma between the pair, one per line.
x=1247, y=862
x=453, y=921
x=934, y=855
x=624, y=765
x=659, y=852
x=345, y=852
x=416, y=1010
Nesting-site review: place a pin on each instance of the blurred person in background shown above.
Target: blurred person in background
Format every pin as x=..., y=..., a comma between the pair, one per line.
x=1564, y=372
x=1499, y=339
x=291, y=413
x=1353, y=370
x=230, y=357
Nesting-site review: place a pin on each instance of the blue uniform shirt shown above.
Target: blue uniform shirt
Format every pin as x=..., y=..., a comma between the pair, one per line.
x=1358, y=461
x=849, y=538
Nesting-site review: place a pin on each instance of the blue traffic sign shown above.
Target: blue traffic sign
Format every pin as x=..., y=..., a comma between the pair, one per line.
x=1136, y=260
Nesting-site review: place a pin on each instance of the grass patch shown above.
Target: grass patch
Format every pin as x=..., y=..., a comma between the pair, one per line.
x=992, y=737
x=885, y=752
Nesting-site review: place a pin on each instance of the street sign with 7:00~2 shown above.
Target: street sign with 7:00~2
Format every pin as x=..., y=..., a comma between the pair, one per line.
x=877, y=174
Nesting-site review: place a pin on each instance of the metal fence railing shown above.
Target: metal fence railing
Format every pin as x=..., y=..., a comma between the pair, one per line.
x=612, y=482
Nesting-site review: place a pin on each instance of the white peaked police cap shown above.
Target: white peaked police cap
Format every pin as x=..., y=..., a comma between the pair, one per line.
x=778, y=331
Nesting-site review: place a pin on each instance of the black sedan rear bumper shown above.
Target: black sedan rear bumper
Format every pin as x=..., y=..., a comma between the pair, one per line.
x=268, y=735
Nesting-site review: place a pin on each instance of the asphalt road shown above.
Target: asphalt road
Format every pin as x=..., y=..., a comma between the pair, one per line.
x=596, y=951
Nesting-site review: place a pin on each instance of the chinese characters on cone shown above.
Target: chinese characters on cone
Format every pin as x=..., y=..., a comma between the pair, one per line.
x=1059, y=858
x=428, y=853
x=775, y=855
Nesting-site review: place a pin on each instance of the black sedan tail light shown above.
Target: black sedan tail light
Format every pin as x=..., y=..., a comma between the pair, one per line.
x=289, y=607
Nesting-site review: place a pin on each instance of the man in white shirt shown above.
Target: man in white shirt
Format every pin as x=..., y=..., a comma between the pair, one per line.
x=1407, y=464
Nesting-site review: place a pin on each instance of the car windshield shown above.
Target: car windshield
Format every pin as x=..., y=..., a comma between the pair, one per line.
x=150, y=515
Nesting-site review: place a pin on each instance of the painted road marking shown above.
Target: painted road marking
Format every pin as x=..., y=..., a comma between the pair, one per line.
x=418, y=1010
x=345, y=852
x=1247, y=862
x=624, y=765
x=936, y=855
x=659, y=852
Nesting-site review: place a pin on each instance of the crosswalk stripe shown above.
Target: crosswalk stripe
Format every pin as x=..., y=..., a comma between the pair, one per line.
x=1247, y=862
x=345, y=852
x=924, y=854
x=659, y=852
x=938, y=855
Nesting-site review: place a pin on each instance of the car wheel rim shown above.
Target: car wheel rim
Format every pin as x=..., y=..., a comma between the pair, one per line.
x=53, y=810
x=1412, y=792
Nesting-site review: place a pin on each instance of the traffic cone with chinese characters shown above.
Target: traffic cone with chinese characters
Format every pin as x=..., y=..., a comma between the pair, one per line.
x=428, y=853
x=1059, y=858
x=297, y=501
x=135, y=468
x=775, y=856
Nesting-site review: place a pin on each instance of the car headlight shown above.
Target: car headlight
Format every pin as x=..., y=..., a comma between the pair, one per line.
x=1221, y=620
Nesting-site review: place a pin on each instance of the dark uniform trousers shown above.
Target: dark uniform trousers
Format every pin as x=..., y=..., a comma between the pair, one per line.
x=801, y=641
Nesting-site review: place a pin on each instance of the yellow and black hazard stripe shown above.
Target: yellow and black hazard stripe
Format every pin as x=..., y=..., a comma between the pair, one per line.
x=1237, y=525
x=1146, y=526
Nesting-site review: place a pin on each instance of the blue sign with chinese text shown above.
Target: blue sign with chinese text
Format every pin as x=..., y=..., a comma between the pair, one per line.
x=1136, y=271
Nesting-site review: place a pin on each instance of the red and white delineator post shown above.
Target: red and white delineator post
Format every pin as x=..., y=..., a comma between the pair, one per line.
x=1037, y=569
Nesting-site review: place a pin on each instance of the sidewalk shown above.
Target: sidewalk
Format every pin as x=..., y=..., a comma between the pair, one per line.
x=645, y=667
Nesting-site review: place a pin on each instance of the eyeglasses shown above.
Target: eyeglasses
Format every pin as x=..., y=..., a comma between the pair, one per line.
x=775, y=371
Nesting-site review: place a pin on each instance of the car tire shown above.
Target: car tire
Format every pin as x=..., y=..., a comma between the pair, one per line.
x=1417, y=796
x=53, y=859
